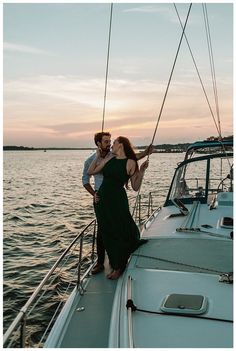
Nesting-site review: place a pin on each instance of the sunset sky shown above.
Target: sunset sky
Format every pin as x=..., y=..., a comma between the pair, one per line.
x=54, y=72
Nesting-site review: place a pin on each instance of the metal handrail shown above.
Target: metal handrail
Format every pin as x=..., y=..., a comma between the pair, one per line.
x=137, y=213
x=21, y=317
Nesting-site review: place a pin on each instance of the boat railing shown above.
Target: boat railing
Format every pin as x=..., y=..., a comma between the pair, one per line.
x=78, y=257
x=143, y=205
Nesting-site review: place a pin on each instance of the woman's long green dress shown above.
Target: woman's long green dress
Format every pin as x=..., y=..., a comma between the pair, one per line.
x=119, y=231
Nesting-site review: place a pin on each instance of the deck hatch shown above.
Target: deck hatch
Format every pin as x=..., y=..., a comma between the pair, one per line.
x=184, y=304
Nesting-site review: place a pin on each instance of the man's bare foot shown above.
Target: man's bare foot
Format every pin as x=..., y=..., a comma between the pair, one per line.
x=97, y=268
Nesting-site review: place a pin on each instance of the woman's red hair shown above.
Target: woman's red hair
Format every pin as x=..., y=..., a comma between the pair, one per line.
x=128, y=150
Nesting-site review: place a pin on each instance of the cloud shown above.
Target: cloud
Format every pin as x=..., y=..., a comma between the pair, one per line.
x=69, y=107
x=165, y=11
x=125, y=122
x=23, y=49
x=151, y=9
x=73, y=90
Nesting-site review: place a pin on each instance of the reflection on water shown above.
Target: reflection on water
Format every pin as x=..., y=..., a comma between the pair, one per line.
x=43, y=197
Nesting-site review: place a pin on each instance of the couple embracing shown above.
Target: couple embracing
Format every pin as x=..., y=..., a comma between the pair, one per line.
x=112, y=170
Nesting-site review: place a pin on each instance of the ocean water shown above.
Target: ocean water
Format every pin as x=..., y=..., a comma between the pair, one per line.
x=43, y=197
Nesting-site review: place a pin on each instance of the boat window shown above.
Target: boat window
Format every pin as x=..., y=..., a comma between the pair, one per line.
x=190, y=181
x=220, y=176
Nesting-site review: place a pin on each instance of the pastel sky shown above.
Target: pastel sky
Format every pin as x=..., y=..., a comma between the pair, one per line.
x=54, y=72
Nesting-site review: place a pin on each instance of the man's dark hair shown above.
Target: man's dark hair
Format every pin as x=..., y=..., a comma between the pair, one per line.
x=98, y=137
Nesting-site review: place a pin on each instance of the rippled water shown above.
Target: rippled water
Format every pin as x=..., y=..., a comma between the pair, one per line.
x=43, y=194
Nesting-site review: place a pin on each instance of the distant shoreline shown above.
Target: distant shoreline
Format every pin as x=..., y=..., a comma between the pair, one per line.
x=173, y=148
x=158, y=148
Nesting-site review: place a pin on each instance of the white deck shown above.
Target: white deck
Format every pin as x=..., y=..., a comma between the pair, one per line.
x=88, y=328
x=178, y=263
x=171, y=262
x=150, y=287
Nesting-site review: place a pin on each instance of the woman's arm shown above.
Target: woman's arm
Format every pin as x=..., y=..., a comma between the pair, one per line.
x=98, y=164
x=148, y=151
x=136, y=174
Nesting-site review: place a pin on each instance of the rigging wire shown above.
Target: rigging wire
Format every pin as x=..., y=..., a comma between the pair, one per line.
x=107, y=66
x=211, y=58
x=198, y=73
x=171, y=74
x=165, y=95
x=218, y=128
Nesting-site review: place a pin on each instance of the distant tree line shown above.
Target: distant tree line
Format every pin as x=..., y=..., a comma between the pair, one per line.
x=162, y=148
x=14, y=148
x=169, y=147
x=180, y=147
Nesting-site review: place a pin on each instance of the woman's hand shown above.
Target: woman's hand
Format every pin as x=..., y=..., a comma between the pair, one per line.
x=98, y=164
x=144, y=166
x=149, y=150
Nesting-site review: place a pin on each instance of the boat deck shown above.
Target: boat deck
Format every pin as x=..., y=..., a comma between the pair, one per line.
x=189, y=263
x=88, y=328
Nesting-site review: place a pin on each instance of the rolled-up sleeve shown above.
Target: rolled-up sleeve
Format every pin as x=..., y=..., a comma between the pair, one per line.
x=85, y=176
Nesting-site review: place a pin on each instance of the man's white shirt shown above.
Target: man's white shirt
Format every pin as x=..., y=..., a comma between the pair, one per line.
x=98, y=178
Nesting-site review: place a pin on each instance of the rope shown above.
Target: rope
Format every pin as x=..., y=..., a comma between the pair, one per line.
x=172, y=70
x=178, y=263
x=107, y=66
x=130, y=304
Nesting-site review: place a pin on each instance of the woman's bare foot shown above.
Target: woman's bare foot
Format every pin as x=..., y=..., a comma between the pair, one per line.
x=115, y=274
x=109, y=274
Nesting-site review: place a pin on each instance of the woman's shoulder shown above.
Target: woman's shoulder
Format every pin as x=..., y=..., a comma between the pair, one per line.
x=131, y=162
x=131, y=166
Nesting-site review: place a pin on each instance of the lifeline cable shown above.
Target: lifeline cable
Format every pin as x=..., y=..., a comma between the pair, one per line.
x=107, y=66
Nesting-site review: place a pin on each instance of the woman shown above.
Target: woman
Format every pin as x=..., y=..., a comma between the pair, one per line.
x=119, y=231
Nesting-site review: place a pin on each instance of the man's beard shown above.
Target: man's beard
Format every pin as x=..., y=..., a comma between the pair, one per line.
x=107, y=149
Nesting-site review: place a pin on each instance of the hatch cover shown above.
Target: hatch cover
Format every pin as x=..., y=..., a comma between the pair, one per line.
x=184, y=304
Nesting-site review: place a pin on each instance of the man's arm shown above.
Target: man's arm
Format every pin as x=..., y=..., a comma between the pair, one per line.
x=148, y=150
x=86, y=178
x=89, y=188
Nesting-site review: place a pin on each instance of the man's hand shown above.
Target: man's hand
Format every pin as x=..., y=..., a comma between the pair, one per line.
x=96, y=198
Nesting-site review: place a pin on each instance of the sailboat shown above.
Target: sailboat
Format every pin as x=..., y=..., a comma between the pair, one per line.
x=177, y=289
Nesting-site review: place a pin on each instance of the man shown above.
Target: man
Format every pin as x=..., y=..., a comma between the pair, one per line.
x=103, y=141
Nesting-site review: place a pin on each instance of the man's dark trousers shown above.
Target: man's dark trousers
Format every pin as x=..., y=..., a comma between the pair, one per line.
x=100, y=245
